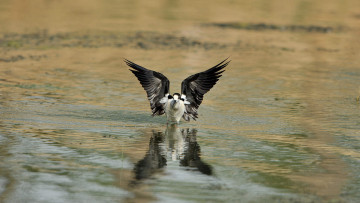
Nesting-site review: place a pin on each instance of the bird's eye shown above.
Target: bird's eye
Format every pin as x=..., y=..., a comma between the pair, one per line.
x=170, y=97
x=182, y=99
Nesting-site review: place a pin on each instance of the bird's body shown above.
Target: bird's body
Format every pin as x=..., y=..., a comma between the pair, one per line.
x=176, y=106
x=174, y=109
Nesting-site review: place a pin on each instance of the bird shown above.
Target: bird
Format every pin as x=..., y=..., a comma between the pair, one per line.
x=177, y=106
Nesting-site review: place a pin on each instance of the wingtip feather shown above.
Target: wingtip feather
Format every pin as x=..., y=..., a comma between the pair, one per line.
x=219, y=66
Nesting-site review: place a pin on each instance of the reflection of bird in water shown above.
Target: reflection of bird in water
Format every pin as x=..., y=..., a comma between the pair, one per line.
x=175, y=145
x=193, y=88
x=153, y=160
x=184, y=147
x=191, y=156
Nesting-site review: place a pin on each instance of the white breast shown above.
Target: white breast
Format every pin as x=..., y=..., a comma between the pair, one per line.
x=175, y=113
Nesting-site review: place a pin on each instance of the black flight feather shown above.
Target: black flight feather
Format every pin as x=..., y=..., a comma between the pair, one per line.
x=154, y=83
x=195, y=86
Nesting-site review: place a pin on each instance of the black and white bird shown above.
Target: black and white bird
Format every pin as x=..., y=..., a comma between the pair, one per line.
x=175, y=106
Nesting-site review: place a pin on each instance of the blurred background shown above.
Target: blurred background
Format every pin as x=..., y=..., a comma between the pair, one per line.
x=281, y=125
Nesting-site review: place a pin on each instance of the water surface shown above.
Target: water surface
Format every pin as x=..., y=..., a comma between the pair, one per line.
x=282, y=124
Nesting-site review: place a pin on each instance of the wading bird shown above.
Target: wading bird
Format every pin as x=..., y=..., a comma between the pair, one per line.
x=175, y=106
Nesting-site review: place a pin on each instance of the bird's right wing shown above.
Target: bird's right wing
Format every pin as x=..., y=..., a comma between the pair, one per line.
x=154, y=83
x=195, y=86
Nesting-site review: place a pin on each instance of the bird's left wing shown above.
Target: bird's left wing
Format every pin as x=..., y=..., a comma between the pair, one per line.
x=195, y=86
x=154, y=83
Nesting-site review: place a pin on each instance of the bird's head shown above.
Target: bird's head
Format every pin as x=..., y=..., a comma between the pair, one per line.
x=176, y=99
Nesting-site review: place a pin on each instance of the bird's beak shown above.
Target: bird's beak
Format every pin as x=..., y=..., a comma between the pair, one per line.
x=173, y=102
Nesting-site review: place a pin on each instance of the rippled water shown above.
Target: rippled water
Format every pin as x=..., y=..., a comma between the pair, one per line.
x=282, y=124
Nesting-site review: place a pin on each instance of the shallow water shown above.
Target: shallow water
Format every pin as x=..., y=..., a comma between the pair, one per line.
x=282, y=124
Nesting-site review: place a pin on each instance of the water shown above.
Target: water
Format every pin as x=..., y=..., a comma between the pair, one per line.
x=282, y=124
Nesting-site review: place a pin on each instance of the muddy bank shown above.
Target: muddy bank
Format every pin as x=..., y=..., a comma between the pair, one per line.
x=141, y=39
x=145, y=40
x=20, y=57
x=275, y=27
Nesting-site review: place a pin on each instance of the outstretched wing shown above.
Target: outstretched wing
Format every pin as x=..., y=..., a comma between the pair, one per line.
x=154, y=83
x=195, y=86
